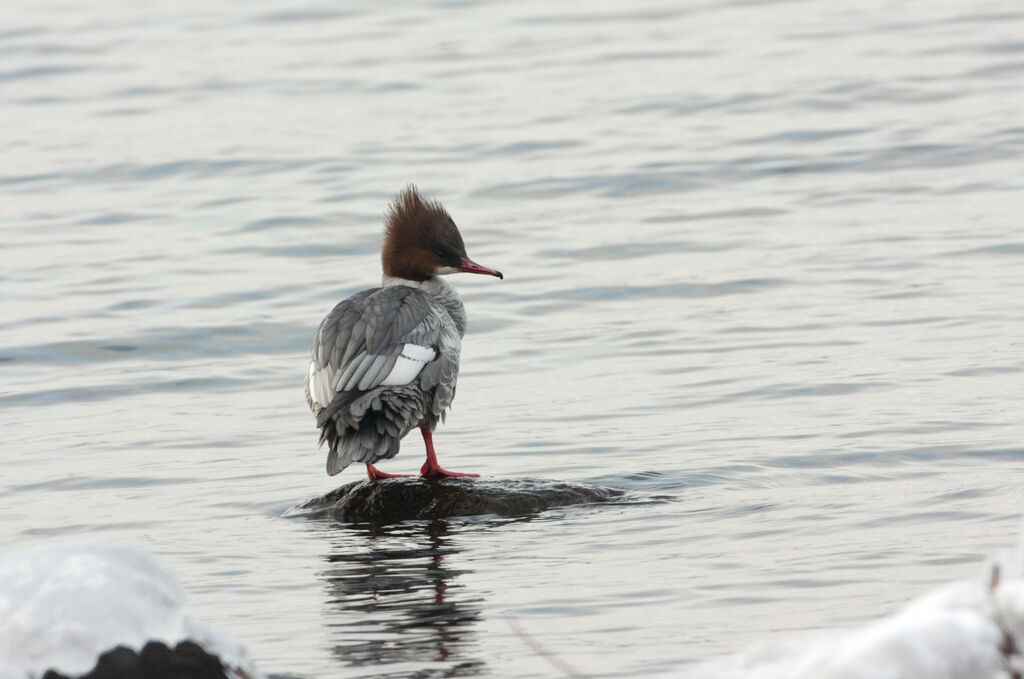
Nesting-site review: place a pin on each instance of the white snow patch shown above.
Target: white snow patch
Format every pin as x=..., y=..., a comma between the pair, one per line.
x=61, y=606
x=964, y=630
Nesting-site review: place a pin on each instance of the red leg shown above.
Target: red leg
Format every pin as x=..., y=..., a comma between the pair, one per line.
x=430, y=468
x=376, y=474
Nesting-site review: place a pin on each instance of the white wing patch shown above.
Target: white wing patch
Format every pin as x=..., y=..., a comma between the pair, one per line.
x=409, y=365
x=320, y=384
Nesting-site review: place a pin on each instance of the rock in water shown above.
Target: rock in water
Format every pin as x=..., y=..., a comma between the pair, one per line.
x=393, y=500
x=156, y=660
x=101, y=610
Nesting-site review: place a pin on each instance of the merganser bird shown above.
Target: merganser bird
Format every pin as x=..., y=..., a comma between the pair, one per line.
x=385, y=360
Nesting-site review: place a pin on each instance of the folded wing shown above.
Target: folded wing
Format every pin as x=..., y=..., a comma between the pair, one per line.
x=377, y=338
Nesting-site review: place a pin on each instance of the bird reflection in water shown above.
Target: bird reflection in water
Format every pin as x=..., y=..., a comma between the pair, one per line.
x=395, y=599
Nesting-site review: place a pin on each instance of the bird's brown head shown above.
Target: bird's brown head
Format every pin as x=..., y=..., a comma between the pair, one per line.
x=421, y=240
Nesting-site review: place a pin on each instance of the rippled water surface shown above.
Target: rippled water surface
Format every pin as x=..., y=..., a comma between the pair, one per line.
x=764, y=271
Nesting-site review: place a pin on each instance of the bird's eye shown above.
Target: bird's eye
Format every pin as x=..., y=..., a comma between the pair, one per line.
x=441, y=253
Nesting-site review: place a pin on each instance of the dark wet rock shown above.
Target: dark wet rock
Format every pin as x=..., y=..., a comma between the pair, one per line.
x=187, y=660
x=393, y=500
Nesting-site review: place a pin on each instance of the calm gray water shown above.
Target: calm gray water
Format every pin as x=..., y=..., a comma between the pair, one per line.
x=764, y=261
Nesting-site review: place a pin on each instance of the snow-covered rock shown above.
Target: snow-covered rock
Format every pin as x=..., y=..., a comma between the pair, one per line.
x=973, y=629
x=61, y=606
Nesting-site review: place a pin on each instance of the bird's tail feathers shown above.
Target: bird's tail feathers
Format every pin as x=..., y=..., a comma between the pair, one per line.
x=375, y=436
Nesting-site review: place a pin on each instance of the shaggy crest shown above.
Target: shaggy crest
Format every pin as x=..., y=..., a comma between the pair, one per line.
x=420, y=237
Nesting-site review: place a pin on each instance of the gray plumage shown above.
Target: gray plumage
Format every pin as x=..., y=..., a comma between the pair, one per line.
x=384, y=362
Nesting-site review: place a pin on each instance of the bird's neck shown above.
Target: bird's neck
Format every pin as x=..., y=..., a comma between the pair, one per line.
x=441, y=292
